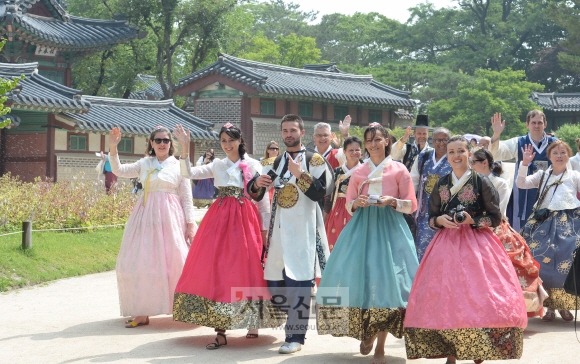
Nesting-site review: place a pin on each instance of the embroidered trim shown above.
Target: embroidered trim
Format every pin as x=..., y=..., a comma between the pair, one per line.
x=317, y=160
x=304, y=182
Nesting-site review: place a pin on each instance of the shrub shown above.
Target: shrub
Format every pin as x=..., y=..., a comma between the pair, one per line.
x=64, y=204
x=569, y=133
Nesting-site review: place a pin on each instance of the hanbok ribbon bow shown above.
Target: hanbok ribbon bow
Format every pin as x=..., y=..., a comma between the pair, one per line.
x=150, y=172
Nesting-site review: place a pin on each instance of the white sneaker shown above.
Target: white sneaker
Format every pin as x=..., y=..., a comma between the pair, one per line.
x=289, y=348
x=313, y=291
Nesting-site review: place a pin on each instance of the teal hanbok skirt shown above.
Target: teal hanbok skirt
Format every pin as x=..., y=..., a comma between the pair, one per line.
x=367, y=280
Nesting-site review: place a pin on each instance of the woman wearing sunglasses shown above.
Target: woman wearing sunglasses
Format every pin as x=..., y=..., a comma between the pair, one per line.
x=527, y=269
x=272, y=150
x=222, y=284
x=158, y=232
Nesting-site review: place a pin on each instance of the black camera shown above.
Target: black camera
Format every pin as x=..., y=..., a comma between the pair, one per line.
x=458, y=213
x=541, y=214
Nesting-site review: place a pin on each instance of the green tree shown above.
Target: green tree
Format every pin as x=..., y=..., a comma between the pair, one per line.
x=6, y=85
x=277, y=18
x=359, y=39
x=567, y=15
x=111, y=72
x=480, y=97
x=291, y=50
x=568, y=133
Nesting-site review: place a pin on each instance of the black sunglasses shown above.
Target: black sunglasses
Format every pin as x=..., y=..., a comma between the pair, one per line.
x=273, y=148
x=159, y=141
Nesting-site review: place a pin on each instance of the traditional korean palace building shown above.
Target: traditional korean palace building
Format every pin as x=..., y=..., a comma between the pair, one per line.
x=560, y=109
x=55, y=130
x=255, y=95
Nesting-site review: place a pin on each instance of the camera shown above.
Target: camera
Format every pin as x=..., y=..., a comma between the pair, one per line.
x=458, y=213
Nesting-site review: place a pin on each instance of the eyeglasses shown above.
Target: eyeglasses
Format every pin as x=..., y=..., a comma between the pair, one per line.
x=273, y=148
x=440, y=141
x=473, y=161
x=159, y=141
x=322, y=136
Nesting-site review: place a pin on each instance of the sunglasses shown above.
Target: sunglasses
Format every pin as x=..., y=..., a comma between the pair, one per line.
x=473, y=161
x=273, y=148
x=159, y=141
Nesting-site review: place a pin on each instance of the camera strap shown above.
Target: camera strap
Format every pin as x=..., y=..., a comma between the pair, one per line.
x=547, y=188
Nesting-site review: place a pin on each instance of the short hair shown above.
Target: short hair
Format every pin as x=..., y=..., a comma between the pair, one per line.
x=160, y=129
x=322, y=125
x=295, y=118
x=350, y=140
x=442, y=130
x=557, y=143
x=533, y=113
x=577, y=143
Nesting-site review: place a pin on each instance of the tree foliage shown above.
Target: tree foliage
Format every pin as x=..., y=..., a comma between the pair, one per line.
x=568, y=133
x=480, y=97
x=567, y=15
x=6, y=86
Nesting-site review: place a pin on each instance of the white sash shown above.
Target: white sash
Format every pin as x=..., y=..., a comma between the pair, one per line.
x=375, y=176
x=236, y=177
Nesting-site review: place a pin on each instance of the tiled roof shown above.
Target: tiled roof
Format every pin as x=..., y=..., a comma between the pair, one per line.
x=138, y=117
x=63, y=32
x=279, y=81
x=39, y=93
x=327, y=67
x=153, y=90
x=14, y=120
x=557, y=102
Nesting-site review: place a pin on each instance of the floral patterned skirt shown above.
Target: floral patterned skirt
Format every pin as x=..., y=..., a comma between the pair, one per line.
x=526, y=267
x=552, y=242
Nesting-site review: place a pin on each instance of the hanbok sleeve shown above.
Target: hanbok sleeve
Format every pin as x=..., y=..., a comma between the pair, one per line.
x=398, y=151
x=415, y=177
x=491, y=214
x=131, y=170
x=263, y=204
x=503, y=191
x=526, y=182
x=328, y=201
x=406, y=201
x=340, y=156
x=351, y=194
x=184, y=192
x=198, y=172
x=505, y=150
x=435, y=206
x=313, y=184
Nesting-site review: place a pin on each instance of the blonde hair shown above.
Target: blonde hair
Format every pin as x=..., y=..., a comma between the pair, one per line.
x=266, y=155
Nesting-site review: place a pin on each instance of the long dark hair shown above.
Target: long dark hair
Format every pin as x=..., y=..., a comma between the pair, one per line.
x=149, y=150
x=372, y=129
x=494, y=166
x=235, y=133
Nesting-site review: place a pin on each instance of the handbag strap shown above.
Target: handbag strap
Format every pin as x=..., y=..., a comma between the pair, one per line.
x=547, y=188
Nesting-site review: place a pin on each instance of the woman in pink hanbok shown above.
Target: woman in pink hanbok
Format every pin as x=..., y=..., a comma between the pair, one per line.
x=466, y=302
x=158, y=232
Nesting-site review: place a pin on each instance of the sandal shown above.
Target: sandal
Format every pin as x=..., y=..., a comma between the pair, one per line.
x=252, y=334
x=216, y=344
x=130, y=324
x=366, y=349
x=549, y=315
x=566, y=315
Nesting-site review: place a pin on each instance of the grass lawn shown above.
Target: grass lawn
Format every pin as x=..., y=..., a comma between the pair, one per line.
x=56, y=255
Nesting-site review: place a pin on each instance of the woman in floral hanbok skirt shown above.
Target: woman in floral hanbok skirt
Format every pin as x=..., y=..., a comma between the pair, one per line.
x=466, y=301
x=553, y=230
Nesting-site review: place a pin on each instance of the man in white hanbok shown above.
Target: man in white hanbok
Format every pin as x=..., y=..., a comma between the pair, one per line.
x=297, y=244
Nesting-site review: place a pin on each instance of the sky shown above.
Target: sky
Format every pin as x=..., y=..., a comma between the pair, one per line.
x=394, y=9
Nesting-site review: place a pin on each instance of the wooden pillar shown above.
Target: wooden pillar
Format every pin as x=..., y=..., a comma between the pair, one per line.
x=50, y=146
x=3, y=140
x=68, y=76
x=247, y=124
